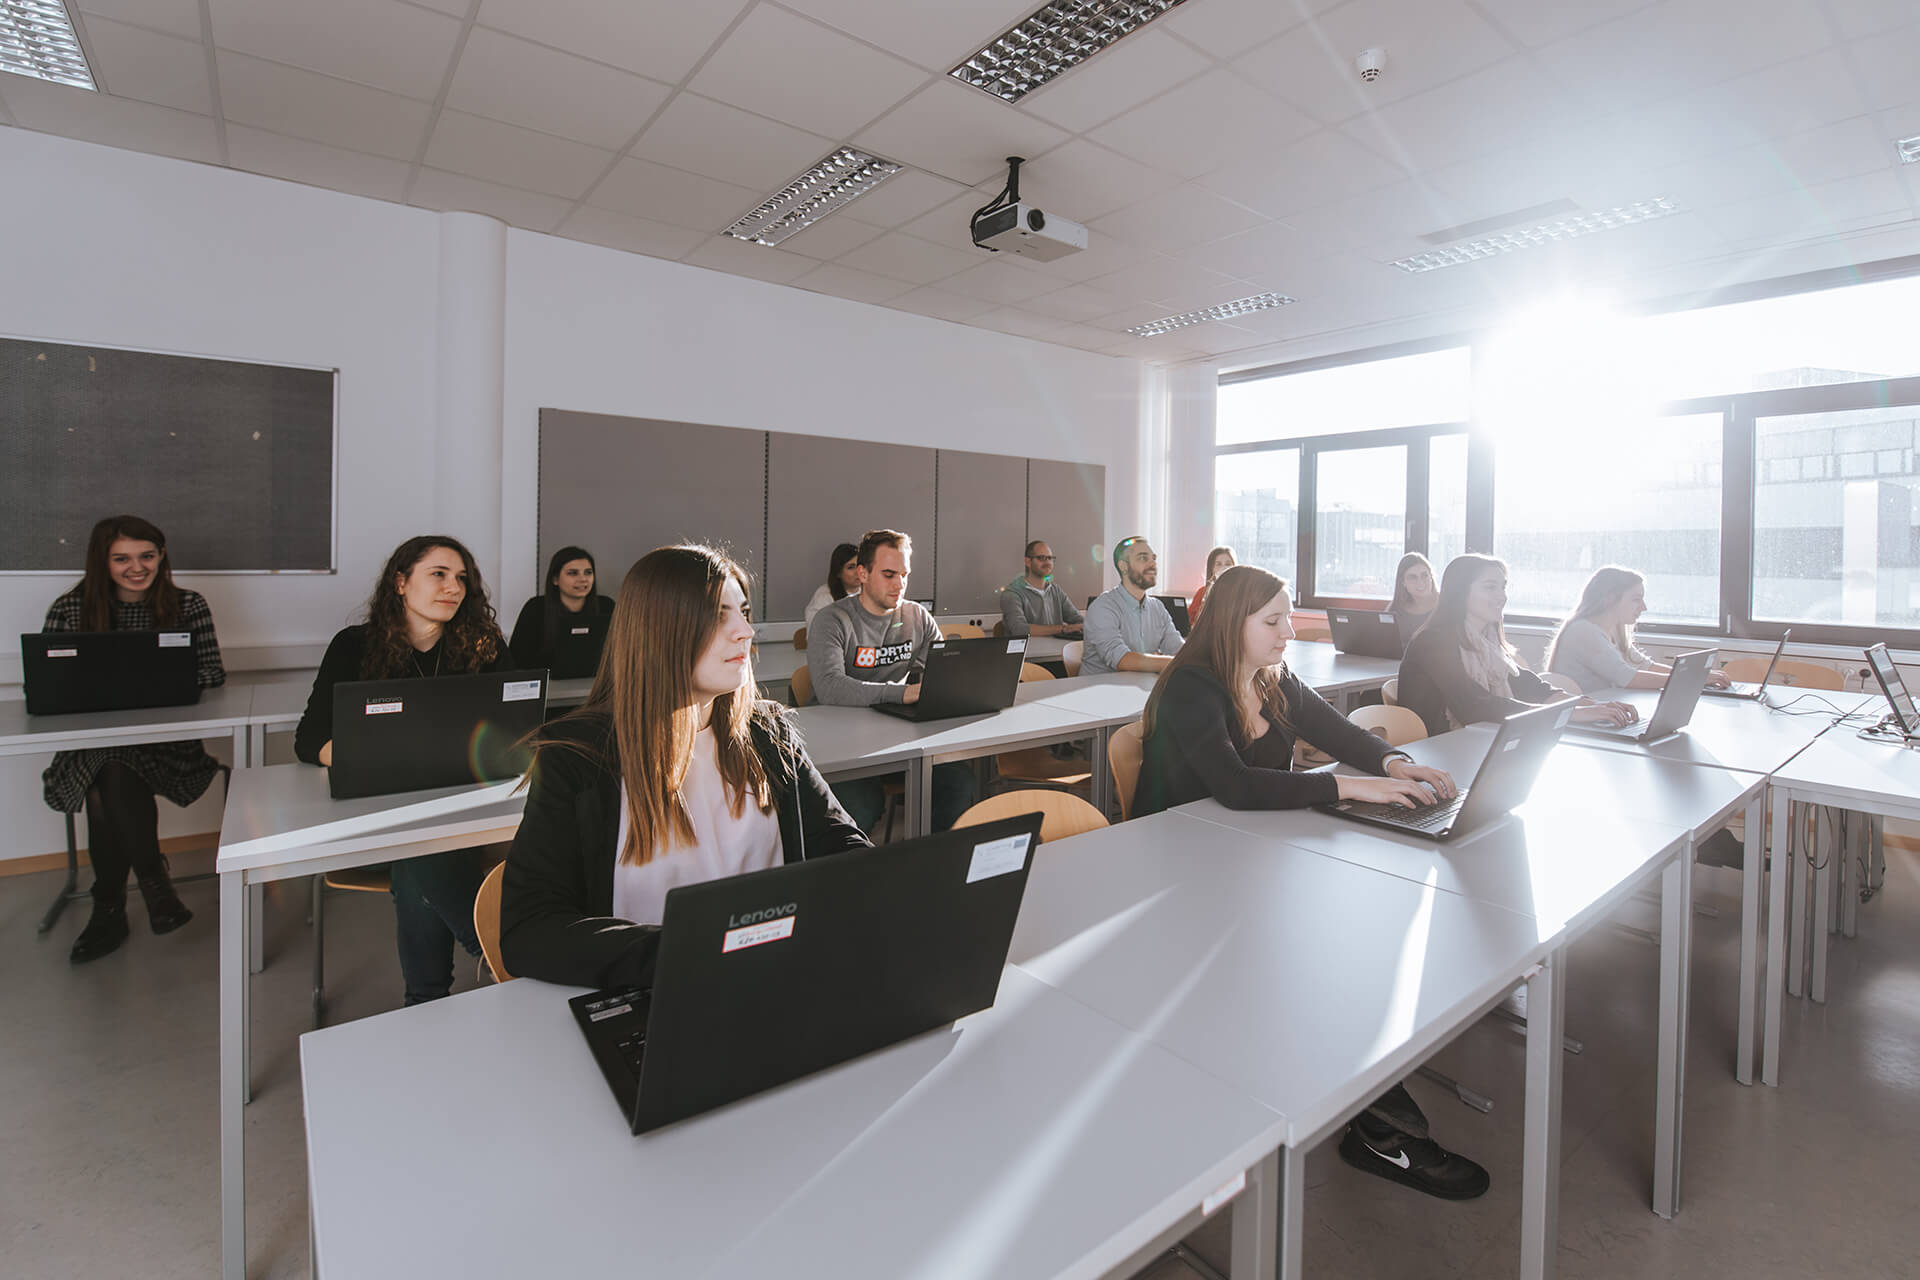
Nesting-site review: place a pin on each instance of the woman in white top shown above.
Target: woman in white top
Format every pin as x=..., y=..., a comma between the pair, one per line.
x=673, y=773
x=1594, y=647
x=843, y=579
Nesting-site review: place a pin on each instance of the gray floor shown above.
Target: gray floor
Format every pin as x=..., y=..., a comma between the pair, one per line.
x=110, y=1163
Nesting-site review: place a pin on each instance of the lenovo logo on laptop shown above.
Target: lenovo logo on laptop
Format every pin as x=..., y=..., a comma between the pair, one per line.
x=753, y=928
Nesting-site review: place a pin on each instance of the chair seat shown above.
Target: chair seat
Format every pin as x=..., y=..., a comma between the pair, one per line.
x=361, y=879
x=1037, y=764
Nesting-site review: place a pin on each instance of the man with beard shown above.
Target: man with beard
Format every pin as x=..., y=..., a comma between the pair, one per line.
x=1127, y=629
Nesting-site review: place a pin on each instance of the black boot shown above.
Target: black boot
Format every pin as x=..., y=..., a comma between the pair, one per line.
x=165, y=911
x=106, y=930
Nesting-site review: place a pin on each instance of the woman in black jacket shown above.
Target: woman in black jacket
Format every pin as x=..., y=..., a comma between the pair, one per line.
x=567, y=602
x=672, y=773
x=1222, y=722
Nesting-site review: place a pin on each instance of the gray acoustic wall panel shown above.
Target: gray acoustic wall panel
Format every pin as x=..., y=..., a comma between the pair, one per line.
x=1067, y=507
x=826, y=491
x=622, y=486
x=983, y=528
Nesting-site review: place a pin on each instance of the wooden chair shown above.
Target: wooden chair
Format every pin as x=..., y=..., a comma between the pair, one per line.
x=1562, y=683
x=800, y=640
x=1397, y=725
x=1124, y=751
x=963, y=631
x=1038, y=765
x=800, y=686
x=375, y=879
x=1390, y=692
x=1070, y=656
x=1000, y=630
x=1061, y=815
x=486, y=922
x=1029, y=672
x=1312, y=629
x=1798, y=675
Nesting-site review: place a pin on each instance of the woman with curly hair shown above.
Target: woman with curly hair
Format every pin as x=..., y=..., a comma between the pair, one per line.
x=428, y=616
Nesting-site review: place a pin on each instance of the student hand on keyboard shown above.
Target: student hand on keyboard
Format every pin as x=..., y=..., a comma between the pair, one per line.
x=1439, y=779
x=1610, y=713
x=1405, y=793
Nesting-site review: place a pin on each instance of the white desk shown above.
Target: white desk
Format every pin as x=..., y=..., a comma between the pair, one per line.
x=1306, y=982
x=1339, y=677
x=1734, y=733
x=1034, y=1139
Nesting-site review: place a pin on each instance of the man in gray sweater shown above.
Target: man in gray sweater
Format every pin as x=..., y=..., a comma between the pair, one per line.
x=1033, y=604
x=870, y=647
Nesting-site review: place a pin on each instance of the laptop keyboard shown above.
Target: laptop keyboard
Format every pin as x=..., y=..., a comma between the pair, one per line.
x=1432, y=817
x=632, y=1049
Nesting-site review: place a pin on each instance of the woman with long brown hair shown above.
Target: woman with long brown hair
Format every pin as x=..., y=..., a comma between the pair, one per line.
x=1219, y=560
x=428, y=616
x=128, y=586
x=673, y=773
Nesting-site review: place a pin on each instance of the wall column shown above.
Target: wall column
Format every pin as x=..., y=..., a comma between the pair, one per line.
x=470, y=385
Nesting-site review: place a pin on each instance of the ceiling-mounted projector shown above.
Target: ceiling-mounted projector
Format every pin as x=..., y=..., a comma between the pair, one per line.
x=1010, y=226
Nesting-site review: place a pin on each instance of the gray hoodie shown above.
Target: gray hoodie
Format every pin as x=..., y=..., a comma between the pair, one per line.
x=857, y=658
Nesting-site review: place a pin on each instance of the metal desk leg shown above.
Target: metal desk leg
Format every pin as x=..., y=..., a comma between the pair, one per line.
x=1795, y=902
x=70, y=889
x=919, y=800
x=233, y=1076
x=1854, y=855
x=1540, y=1145
x=1102, y=772
x=256, y=927
x=1877, y=864
x=1824, y=855
x=1750, y=884
x=1293, y=1212
x=1256, y=1221
x=1676, y=955
x=1774, y=995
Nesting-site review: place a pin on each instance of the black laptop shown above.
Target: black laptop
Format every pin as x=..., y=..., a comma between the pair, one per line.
x=767, y=977
x=407, y=735
x=577, y=644
x=70, y=671
x=1754, y=692
x=1905, y=715
x=1675, y=708
x=1177, y=610
x=1503, y=781
x=1367, y=633
x=965, y=678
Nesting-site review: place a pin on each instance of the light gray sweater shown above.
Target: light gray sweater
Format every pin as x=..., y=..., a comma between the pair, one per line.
x=1586, y=655
x=857, y=658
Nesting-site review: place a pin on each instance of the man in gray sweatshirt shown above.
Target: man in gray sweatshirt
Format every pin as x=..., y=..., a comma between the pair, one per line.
x=1033, y=604
x=870, y=647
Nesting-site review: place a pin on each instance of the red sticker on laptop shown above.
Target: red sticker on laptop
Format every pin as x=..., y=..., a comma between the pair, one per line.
x=754, y=935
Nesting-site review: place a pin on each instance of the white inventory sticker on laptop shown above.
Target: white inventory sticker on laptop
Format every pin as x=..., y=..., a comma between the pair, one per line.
x=519, y=690
x=580, y=631
x=1016, y=646
x=384, y=707
x=998, y=858
x=63, y=653
x=753, y=935
x=175, y=639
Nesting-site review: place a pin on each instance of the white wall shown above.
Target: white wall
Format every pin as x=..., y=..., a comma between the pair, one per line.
x=139, y=251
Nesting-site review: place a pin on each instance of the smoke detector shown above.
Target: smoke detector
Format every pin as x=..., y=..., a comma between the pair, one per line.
x=1370, y=64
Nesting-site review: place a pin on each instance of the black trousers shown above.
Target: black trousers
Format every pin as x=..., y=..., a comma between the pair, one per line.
x=123, y=831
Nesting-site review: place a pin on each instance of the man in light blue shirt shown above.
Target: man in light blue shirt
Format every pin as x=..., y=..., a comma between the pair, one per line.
x=1127, y=629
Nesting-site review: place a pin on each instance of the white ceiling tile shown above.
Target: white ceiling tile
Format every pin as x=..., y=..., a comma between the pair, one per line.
x=453, y=192
x=950, y=223
x=845, y=282
x=1512, y=104
x=1202, y=125
x=1021, y=324
x=378, y=43
x=1870, y=17
x=1684, y=45
x=1119, y=78
x=958, y=133
x=738, y=258
x=1177, y=285
x=786, y=67
x=935, y=34
x=514, y=157
x=830, y=237
x=175, y=17
x=1275, y=256
x=1228, y=28
x=1809, y=159
x=1083, y=180
x=115, y=122
x=635, y=235
x=1166, y=349
x=1006, y=283
x=1317, y=169
x=1077, y=302
x=1082, y=336
x=506, y=78
x=658, y=38
x=1783, y=100
x=319, y=108
x=454, y=8
x=908, y=258
x=1184, y=216
x=1404, y=210
x=1537, y=22
x=132, y=62
x=1886, y=69
x=661, y=194
x=941, y=305
x=315, y=164
x=1131, y=317
x=711, y=138
x=1847, y=205
x=903, y=197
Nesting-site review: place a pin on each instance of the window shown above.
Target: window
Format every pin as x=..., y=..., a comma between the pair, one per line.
x=1256, y=508
x=1404, y=391
x=1360, y=521
x=1446, y=499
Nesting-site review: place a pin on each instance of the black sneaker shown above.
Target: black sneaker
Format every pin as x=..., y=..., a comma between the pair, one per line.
x=1419, y=1163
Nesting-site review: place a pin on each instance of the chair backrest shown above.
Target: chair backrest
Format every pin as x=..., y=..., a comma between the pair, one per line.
x=1000, y=630
x=1030, y=672
x=1124, y=750
x=1563, y=683
x=1311, y=629
x=1397, y=725
x=1062, y=813
x=1390, y=692
x=800, y=639
x=1070, y=655
x=486, y=922
x=963, y=631
x=1800, y=675
x=800, y=685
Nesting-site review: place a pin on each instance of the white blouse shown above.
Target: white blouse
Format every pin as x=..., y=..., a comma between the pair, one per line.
x=723, y=845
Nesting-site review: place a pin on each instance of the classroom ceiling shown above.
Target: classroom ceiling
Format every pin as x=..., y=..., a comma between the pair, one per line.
x=1228, y=149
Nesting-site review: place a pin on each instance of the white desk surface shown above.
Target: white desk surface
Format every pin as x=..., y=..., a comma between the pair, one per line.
x=1034, y=1139
x=1310, y=983
x=1732, y=733
x=842, y=739
x=1113, y=699
x=217, y=714
x=1843, y=769
x=1325, y=668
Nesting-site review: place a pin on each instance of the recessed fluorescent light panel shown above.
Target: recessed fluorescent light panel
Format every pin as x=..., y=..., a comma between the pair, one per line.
x=37, y=39
x=1056, y=38
x=1225, y=311
x=1568, y=228
x=1909, y=149
x=828, y=185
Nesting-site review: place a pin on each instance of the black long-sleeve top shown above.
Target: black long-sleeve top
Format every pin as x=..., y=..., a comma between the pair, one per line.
x=556, y=898
x=342, y=663
x=533, y=640
x=1434, y=681
x=1197, y=748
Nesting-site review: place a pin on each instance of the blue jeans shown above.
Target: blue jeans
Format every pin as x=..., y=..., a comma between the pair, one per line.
x=865, y=799
x=433, y=908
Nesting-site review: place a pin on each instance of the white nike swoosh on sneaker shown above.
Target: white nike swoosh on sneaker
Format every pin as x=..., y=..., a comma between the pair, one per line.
x=1402, y=1159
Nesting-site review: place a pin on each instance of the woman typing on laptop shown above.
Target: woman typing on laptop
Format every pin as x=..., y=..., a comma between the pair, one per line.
x=674, y=772
x=428, y=616
x=1594, y=647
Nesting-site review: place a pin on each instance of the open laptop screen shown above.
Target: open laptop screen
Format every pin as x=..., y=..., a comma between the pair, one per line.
x=1895, y=688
